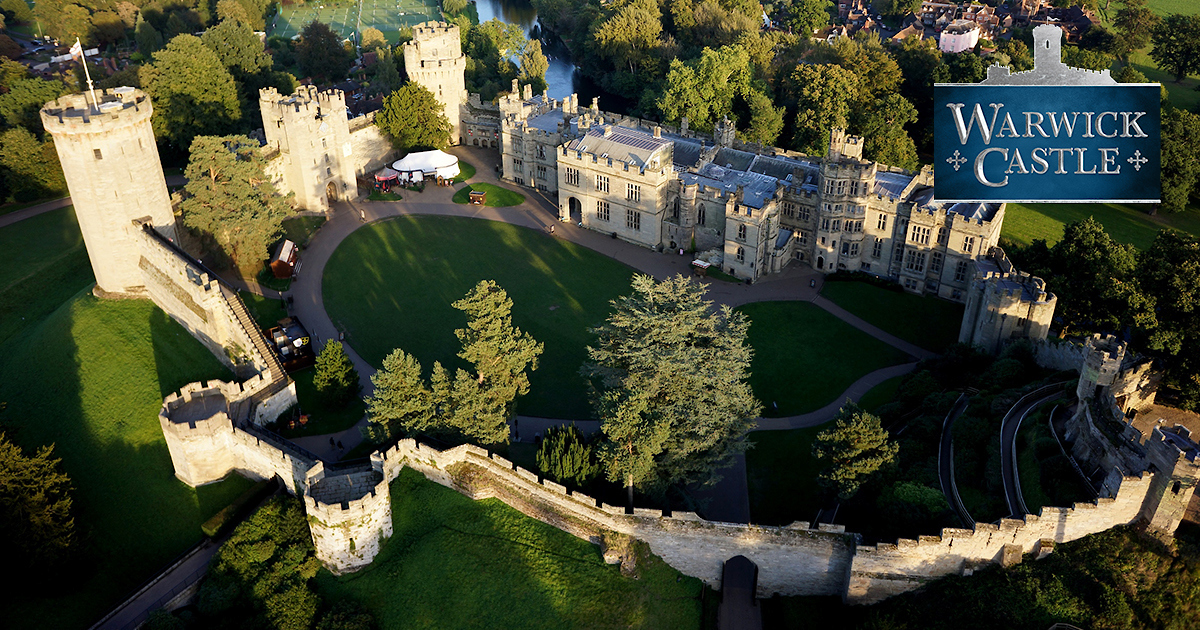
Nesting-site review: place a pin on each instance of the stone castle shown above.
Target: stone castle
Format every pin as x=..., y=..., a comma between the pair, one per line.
x=216, y=428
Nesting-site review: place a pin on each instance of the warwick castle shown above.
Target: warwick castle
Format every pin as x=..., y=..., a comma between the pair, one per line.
x=755, y=209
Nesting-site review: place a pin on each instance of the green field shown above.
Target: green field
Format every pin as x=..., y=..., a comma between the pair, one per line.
x=927, y=321
x=497, y=197
x=323, y=417
x=1125, y=223
x=45, y=263
x=90, y=378
x=781, y=475
x=882, y=393
x=390, y=284
x=456, y=563
x=804, y=357
x=389, y=16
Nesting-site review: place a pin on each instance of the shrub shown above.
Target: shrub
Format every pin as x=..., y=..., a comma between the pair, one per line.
x=566, y=457
x=213, y=526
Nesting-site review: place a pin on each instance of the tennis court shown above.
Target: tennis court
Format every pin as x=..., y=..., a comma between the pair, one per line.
x=389, y=16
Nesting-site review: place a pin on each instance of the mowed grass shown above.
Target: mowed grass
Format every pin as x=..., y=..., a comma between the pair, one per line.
x=323, y=417
x=466, y=171
x=881, y=394
x=389, y=16
x=497, y=197
x=44, y=264
x=90, y=379
x=391, y=284
x=456, y=563
x=781, y=475
x=804, y=357
x=1023, y=223
x=926, y=321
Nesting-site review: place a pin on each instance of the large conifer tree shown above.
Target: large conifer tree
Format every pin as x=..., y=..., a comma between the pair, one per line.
x=670, y=385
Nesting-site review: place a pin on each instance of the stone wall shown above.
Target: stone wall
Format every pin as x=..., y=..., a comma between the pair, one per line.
x=349, y=514
x=880, y=571
x=371, y=149
x=1059, y=355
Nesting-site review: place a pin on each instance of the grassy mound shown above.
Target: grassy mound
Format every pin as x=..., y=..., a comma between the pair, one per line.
x=90, y=379
x=456, y=563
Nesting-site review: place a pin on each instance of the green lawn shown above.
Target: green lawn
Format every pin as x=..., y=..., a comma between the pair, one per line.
x=266, y=311
x=781, y=474
x=882, y=393
x=466, y=170
x=804, y=357
x=926, y=321
x=13, y=206
x=456, y=563
x=497, y=197
x=1125, y=223
x=323, y=418
x=90, y=379
x=44, y=264
x=300, y=230
x=390, y=284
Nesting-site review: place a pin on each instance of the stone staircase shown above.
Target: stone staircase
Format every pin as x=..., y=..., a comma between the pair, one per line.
x=273, y=372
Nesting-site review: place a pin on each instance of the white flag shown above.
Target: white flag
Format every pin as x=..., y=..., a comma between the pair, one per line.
x=77, y=50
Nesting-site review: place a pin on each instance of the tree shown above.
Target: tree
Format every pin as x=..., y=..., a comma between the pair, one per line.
x=1177, y=45
x=501, y=354
x=373, y=39
x=9, y=48
x=1129, y=74
x=1135, y=23
x=17, y=11
x=1019, y=57
x=36, y=521
x=806, y=16
x=704, y=89
x=402, y=404
x=566, y=457
x=853, y=450
x=149, y=40
x=385, y=78
x=882, y=128
x=11, y=72
x=320, y=52
x=192, y=92
x=669, y=385
x=899, y=8
x=1084, y=58
x=232, y=11
x=766, y=120
x=1180, y=157
x=238, y=48
x=1168, y=273
x=628, y=33
x=476, y=406
x=533, y=65
x=335, y=378
x=822, y=94
x=31, y=167
x=230, y=198
x=412, y=118
x=24, y=99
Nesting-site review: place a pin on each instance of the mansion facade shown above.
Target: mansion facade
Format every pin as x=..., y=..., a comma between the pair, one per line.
x=759, y=208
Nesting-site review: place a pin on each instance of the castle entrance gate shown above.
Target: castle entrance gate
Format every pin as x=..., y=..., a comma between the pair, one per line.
x=331, y=191
x=575, y=210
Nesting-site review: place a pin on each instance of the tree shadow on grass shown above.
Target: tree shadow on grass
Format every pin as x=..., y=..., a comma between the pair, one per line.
x=89, y=378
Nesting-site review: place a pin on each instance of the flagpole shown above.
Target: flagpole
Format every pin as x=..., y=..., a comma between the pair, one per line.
x=86, y=73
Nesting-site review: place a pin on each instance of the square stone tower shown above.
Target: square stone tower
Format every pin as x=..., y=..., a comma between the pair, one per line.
x=312, y=134
x=434, y=59
x=111, y=164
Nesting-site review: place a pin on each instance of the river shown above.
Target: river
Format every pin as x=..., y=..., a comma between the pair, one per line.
x=561, y=75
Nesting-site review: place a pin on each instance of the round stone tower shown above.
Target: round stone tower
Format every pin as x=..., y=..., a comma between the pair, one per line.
x=434, y=59
x=114, y=176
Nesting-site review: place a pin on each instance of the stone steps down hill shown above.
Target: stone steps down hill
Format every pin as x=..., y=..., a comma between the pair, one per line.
x=275, y=374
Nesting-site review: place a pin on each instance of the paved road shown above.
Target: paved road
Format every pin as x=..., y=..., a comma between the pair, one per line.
x=1009, y=427
x=946, y=462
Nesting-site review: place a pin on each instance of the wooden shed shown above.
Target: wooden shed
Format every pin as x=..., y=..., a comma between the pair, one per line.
x=284, y=261
x=478, y=197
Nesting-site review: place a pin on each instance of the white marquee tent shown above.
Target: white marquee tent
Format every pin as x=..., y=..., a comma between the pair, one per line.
x=417, y=166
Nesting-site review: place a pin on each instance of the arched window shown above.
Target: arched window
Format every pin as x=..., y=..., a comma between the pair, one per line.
x=700, y=214
x=742, y=232
x=741, y=254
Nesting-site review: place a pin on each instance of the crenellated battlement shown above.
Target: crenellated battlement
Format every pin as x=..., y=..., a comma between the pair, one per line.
x=118, y=108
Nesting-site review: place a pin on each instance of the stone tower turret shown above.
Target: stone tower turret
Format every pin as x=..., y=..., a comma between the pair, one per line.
x=1172, y=456
x=312, y=134
x=434, y=58
x=1047, y=47
x=723, y=132
x=1101, y=362
x=114, y=176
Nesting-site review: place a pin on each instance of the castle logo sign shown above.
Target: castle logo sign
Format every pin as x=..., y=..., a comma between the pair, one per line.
x=1053, y=134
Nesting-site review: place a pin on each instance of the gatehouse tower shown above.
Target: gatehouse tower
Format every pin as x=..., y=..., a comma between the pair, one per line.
x=434, y=59
x=310, y=130
x=113, y=173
